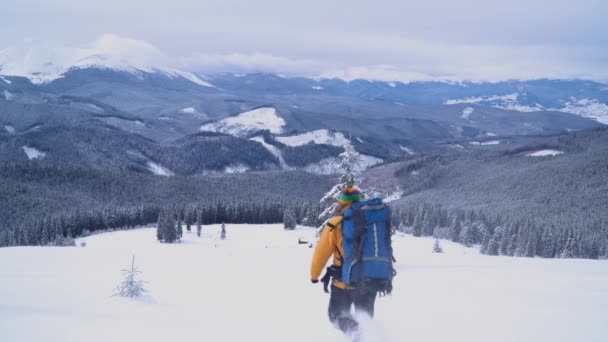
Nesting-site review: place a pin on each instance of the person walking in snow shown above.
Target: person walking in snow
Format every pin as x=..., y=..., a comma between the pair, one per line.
x=342, y=296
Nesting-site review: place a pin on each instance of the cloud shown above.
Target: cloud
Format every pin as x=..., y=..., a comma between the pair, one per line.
x=376, y=73
x=249, y=62
x=373, y=57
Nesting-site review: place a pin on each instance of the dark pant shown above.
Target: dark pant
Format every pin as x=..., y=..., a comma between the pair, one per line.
x=340, y=302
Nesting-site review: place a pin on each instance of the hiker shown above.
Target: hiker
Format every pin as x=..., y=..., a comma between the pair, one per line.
x=331, y=242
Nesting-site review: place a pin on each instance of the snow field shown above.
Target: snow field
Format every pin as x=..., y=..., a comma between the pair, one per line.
x=254, y=120
x=32, y=153
x=255, y=286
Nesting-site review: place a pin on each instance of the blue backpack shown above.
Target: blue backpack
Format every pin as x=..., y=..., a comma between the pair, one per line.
x=368, y=255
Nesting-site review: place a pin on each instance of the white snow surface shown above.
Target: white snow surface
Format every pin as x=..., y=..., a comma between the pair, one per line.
x=33, y=153
x=9, y=129
x=406, y=149
x=272, y=149
x=321, y=136
x=589, y=108
x=5, y=80
x=545, y=153
x=393, y=197
x=330, y=166
x=508, y=102
x=247, y=122
x=317, y=87
x=485, y=143
x=159, y=170
x=254, y=286
x=466, y=113
x=238, y=168
x=188, y=110
x=585, y=107
x=8, y=95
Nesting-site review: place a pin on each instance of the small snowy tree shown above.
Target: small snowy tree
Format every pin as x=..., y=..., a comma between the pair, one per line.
x=349, y=164
x=223, y=232
x=130, y=286
x=437, y=247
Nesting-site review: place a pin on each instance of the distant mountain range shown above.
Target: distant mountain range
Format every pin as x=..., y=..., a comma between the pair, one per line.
x=103, y=113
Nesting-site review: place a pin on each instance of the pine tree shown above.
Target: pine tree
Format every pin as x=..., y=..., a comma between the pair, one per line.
x=199, y=222
x=467, y=235
x=223, y=232
x=417, y=226
x=160, y=226
x=130, y=286
x=349, y=161
x=178, y=230
x=289, y=219
x=437, y=247
x=494, y=242
x=455, y=229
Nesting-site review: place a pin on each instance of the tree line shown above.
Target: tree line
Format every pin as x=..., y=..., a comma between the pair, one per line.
x=497, y=235
x=61, y=229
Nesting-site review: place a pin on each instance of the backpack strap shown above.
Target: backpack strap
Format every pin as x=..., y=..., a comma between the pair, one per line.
x=334, y=222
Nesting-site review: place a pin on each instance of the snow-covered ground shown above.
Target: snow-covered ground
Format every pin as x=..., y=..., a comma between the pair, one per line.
x=255, y=286
x=188, y=110
x=32, y=153
x=486, y=143
x=544, y=153
x=585, y=107
x=159, y=170
x=329, y=166
x=272, y=149
x=254, y=120
x=466, y=113
x=321, y=136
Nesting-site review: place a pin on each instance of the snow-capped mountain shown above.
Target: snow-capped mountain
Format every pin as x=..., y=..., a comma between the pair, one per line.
x=42, y=64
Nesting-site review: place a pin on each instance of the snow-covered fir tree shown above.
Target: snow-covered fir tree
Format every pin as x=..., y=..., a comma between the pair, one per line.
x=437, y=247
x=349, y=161
x=199, y=220
x=289, y=218
x=131, y=286
x=178, y=230
x=166, y=227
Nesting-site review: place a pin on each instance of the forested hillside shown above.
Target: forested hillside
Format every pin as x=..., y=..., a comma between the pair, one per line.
x=513, y=202
x=43, y=200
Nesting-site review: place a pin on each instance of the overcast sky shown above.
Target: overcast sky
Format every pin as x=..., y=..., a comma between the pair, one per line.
x=389, y=40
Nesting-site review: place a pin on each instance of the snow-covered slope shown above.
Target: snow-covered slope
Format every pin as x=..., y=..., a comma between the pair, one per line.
x=589, y=108
x=33, y=153
x=322, y=136
x=159, y=170
x=273, y=149
x=585, y=107
x=255, y=286
x=330, y=166
x=508, y=102
x=544, y=153
x=265, y=118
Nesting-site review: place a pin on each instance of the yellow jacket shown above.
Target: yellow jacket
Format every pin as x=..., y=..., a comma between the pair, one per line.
x=329, y=243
